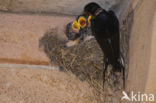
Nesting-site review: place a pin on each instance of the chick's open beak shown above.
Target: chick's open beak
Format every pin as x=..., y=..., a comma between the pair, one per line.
x=76, y=25
x=82, y=22
x=89, y=18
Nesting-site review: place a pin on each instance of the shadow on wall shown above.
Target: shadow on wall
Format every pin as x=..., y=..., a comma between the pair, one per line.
x=125, y=31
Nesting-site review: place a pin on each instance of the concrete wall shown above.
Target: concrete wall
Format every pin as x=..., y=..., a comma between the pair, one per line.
x=58, y=6
x=141, y=77
x=68, y=7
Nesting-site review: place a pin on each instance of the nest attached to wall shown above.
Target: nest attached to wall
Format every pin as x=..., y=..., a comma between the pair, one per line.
x=85, y=60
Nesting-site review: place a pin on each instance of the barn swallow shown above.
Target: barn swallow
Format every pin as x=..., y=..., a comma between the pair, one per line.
x=105, y=28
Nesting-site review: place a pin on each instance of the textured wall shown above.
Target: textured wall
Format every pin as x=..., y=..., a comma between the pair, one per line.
x=141, y=77
x=69, y=7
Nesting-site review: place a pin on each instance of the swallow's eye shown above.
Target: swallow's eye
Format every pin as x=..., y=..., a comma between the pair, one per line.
x=82, y=22
x=76, y=25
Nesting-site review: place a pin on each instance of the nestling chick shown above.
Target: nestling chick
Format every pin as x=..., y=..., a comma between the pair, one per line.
x=78, y=31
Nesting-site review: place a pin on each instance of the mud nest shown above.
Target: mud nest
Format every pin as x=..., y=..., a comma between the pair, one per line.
x=85, y=60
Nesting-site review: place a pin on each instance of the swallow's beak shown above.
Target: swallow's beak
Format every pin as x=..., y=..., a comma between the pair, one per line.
x=82, y=22
x=76, y=25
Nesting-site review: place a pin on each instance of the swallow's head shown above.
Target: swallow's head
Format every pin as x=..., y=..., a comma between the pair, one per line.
x=91, y=8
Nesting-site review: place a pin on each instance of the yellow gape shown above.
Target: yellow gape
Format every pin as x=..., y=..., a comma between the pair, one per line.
x=82, y=22
x=76, y=25
x=89, y=18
